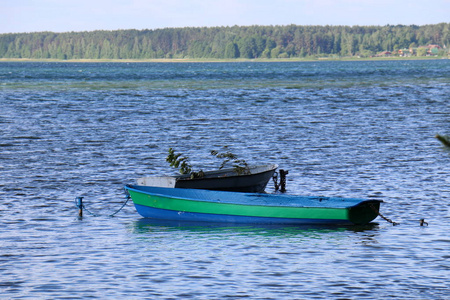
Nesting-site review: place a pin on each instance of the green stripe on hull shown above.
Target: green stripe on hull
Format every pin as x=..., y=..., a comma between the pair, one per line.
x=238, y=209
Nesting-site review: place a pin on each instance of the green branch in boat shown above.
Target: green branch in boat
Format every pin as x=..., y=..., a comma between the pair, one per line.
x=178, y=162
x=445, y=139
x=240, y=166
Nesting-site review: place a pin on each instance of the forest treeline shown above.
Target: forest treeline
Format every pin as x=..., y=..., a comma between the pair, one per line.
x=224, y=42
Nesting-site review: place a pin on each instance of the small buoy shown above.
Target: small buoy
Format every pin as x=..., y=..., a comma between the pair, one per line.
x=422, y=221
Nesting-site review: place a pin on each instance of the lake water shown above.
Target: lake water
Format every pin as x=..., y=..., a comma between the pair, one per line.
x=350, y=129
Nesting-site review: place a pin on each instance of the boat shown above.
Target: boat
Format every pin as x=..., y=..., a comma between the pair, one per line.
x=445, y=139
x=198, y=205
x=253, y=180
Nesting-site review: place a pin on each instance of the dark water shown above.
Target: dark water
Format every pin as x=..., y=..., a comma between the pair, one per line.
x=352, y=129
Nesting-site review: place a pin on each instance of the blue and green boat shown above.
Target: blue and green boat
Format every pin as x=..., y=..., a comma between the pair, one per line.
x=256, y=208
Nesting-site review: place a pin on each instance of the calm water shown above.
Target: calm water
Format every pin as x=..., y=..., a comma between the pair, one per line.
x=352, y=129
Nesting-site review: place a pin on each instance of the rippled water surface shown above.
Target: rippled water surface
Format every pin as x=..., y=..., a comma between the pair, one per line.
x=352, y=129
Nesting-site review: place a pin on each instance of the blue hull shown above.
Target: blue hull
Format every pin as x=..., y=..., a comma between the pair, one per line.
x=156, y=213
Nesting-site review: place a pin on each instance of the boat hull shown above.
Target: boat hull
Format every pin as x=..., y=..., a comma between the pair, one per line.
x=228, y=207
x=221, y=180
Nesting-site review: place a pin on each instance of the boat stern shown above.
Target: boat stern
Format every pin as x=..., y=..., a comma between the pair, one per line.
x=364, y=212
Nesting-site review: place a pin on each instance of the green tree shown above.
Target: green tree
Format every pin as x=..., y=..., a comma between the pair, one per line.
x=231, y=51
x=421, y=51
x=247, y=47
x=275, y=52
x=223, y=42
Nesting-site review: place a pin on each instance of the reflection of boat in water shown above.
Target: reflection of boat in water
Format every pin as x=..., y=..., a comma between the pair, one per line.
x=253, y=180
x=254, y=208
x=445, y=139
x=145, y=225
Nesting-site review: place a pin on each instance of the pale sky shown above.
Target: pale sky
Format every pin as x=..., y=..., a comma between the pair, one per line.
x=87, y=15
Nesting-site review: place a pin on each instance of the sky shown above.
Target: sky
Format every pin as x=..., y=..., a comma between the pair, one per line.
x=17, y=16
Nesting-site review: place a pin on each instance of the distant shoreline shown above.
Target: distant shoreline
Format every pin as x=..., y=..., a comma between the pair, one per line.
x=188, y=60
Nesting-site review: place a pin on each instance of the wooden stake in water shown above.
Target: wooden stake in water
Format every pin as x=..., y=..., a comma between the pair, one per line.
x=283, y=174
x=80, y=206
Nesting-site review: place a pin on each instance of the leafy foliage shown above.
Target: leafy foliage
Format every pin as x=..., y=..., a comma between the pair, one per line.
x=240, y=166
x=179, y=162
x=445, y=139
x=222, y=42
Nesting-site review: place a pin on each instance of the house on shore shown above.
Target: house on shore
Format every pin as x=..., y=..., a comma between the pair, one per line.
x=384, y=54
x=433, y=49
x=406, y=52
x=429, y=50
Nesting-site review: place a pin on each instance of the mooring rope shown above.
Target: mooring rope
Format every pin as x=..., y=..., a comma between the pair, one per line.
x=80, y=205
x=275, y=181
x=127, y=196
x=385, y=218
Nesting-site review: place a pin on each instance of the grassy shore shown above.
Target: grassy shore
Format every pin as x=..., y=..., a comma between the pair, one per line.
x=208, y=60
